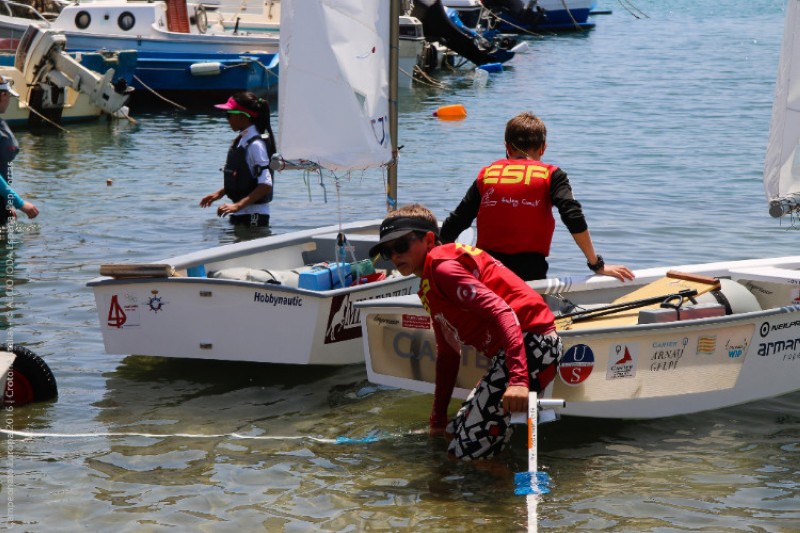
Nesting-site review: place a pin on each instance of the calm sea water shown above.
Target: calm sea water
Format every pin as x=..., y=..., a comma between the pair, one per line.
x=661, y=122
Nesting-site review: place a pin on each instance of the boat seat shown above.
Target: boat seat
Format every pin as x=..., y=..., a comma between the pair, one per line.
x=649, y=296
x=290, y=278
x=766, y=273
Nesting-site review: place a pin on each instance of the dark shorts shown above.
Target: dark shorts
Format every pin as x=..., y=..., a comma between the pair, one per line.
x=481, y=428
x=255, y=220
x=528, y=265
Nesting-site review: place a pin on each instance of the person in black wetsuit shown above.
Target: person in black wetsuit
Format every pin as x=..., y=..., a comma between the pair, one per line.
x=248, y=179
x=513, y=199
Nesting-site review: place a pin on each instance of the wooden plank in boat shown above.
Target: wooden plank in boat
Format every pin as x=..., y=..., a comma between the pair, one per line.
x=137, y=270
x=672, y=283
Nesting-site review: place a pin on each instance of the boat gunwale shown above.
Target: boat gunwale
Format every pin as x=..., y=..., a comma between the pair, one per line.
x=568, y=284
x=382, y=308
x=231, y=251
x=259, y=285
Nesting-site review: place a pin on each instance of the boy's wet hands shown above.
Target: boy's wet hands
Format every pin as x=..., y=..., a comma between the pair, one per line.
x=515, y=399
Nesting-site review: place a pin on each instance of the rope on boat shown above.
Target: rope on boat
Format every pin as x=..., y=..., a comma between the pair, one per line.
x=124, y=114
x=32, y=110
x=267, y=69
x=135, y=77
x=408, y=74
x=423, y=77
x=574, y=22
x=498, y=18
x=55, y=124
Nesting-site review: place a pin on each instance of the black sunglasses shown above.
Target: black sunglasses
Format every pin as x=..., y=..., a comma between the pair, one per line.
x=399, y=246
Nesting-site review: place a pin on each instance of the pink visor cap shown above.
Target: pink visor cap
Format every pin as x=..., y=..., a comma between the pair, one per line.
x=232, y=105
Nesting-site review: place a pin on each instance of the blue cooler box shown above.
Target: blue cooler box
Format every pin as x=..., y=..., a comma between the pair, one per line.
x=321, y=278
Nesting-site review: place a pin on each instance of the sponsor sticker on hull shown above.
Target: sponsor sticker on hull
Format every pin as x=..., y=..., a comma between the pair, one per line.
x=344, y=320
x=576, y=365
x=122, y=311
x=780, y=340
x=622, y=361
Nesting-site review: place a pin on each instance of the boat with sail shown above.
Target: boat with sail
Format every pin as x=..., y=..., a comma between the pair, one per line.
x=285, y=298
x=676, y=340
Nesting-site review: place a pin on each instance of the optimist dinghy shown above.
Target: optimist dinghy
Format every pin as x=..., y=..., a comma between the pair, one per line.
x=676, y=340
x=286, y=298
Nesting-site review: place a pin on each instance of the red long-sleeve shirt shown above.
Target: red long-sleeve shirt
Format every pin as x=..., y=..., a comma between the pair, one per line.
x=475, y=300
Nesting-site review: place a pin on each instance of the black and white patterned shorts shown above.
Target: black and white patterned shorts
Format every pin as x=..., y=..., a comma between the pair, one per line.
x=481, y=428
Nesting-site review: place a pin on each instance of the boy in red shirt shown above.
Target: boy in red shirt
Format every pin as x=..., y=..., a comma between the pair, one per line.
x=473, y=299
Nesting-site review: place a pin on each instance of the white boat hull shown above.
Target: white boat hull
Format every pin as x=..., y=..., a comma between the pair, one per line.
x=635, y=371
x=238, y=320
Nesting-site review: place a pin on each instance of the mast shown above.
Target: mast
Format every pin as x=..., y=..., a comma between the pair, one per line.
x=394, y=51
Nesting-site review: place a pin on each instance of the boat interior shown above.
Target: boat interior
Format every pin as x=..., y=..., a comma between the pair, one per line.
x=317, y=254
x=674, y=296
x=289, y=263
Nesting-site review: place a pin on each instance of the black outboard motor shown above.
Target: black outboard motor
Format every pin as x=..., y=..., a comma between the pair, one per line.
x=437, y=26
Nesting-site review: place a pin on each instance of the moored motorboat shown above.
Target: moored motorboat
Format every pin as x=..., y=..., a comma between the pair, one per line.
x=178, y=52
x=453, y=43
x=158, y=26
x=55, y=88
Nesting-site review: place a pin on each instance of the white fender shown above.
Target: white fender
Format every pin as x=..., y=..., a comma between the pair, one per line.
x=211, y=68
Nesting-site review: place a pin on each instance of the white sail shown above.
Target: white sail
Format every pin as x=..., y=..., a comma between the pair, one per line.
x=782, y=162
x=333, y=105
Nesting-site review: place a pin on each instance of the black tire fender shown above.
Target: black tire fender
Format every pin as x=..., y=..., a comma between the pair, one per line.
x=33, y=369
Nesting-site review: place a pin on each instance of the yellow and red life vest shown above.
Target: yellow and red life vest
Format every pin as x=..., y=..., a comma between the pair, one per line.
x=515, y=214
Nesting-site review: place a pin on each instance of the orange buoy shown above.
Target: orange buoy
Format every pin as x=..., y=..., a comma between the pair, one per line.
x=451, y=112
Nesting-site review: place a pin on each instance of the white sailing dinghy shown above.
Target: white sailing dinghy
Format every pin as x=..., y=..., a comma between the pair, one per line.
x=264, y=300
x=677, y=340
